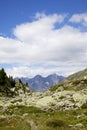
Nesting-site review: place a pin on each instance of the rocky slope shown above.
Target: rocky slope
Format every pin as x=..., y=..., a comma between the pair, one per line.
x=79, y=75
x=69, y=94
x=59, y=100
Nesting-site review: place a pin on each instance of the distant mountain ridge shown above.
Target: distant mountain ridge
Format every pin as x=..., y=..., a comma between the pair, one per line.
x=40, y=83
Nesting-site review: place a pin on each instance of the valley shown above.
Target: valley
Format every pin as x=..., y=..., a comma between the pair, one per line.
x=61, y=107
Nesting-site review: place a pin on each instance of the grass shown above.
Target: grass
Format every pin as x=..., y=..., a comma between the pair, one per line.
x=55, y=87
x=76, y=85
x=54, y=123
x=18, y=117
x=84, y=106
x=14, y=124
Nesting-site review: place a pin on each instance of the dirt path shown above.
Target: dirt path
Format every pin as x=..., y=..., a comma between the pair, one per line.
x=33, y=125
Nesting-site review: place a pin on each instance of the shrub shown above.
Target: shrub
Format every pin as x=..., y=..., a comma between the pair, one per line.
x=84, y=106
x=62, y=97
x=55, y=123
x=76, y=82
x=83, y=121
x=1, y=106
x=55, y=87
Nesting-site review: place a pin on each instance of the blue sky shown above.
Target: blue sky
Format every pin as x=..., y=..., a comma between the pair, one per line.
x=43, y=36
x=14, y=12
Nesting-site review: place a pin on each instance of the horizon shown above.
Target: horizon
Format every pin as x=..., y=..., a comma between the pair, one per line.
x=39, y=75
x=45, y=76
x=43, y=37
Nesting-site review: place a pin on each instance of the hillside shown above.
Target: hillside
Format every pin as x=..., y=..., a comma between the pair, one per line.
x=76, y=81
x=62, y=107
x=79, y=75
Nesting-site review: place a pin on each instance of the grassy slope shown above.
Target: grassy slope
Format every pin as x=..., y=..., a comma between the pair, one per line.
x=19, y=118
x=78, y=75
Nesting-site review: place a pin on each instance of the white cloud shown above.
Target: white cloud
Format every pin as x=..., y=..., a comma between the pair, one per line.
x=40, y=42
x=25, y=71
x=61, y=69
x=79, y=18
x=28, y=31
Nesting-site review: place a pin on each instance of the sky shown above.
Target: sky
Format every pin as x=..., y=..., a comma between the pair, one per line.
x=43, y=37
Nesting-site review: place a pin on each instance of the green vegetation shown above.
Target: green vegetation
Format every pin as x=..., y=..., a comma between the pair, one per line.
x=54, y=123
x=79, y=75
x=84, y=106
x=62, y=97
x=22, y=117
x=55, y=87
x=8, y=86
x=6, y=83
x=75, y=82
x=14, y=124
x=76, y=85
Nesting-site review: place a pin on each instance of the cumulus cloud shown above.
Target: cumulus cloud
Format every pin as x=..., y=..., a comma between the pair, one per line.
x=40, y=27
x=79, y=18
x=47, y=40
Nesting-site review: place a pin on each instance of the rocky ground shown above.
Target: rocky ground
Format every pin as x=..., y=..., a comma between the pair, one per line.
x=61, y=107
x=58, y=100
x=69, y=94
x=65, y=110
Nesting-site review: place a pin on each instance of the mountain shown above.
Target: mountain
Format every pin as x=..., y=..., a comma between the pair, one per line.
x=39, y=83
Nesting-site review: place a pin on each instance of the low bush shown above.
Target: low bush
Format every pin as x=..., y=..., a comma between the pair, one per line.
x=62, y=97
x=84, y=106
x=55, y=123
x=55, y=87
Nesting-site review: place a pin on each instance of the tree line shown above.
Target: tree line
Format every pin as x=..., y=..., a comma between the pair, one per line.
x=6, y=83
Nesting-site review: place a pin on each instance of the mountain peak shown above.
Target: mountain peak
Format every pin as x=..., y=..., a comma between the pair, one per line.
x=37, y=77
x=40, y=83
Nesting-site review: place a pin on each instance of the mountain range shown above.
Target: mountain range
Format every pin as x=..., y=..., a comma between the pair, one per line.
x=40, y=83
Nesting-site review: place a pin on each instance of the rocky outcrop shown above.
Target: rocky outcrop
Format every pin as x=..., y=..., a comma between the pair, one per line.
x=60, y=100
